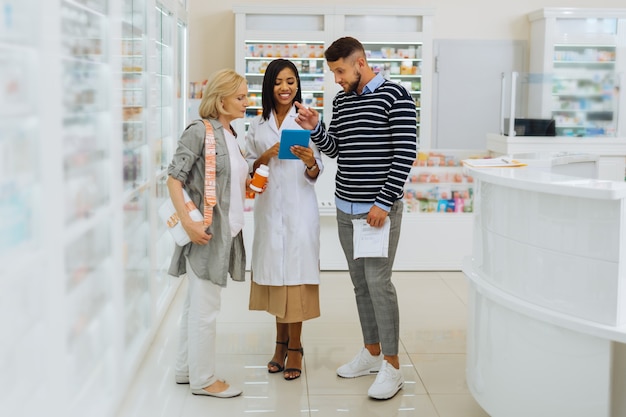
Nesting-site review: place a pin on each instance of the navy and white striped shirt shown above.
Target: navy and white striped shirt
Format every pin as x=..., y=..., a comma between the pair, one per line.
x=374, y=138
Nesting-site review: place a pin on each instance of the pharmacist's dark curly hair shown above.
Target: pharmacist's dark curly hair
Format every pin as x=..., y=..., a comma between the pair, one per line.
x=269, y=80
x=343, y=48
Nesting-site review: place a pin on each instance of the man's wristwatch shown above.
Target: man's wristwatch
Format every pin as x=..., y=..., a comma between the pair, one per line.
x=312, y=167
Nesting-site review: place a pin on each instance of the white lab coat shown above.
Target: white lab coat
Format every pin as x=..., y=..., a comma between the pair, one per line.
x=286, y=243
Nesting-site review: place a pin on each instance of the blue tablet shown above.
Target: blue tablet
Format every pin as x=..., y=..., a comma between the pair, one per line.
x=291, y=137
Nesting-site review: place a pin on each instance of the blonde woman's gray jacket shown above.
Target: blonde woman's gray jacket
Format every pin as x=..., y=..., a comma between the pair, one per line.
x=223, y=254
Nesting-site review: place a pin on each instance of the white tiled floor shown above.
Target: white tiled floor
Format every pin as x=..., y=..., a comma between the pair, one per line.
x=432, y=335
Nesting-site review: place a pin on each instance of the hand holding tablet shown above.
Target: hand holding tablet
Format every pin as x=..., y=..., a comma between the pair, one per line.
x=291, y=137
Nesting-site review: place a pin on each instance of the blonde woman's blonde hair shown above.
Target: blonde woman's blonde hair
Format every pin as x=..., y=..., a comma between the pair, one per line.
x=222, y=84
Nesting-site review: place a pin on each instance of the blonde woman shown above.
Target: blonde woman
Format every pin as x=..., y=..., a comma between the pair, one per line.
x=216, y=249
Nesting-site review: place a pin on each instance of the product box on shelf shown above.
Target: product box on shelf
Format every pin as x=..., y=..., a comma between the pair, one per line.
x=438, y=183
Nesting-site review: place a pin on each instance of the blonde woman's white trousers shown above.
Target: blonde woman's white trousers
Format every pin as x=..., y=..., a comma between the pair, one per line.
x=197, y=346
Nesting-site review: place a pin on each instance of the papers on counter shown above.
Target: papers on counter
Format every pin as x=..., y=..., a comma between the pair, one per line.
x=498, y=162
x=370, y=242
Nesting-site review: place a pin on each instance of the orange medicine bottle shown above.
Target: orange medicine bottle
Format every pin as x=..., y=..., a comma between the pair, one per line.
x=260, y=178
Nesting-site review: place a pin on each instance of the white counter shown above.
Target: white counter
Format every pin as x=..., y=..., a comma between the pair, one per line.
x=612, y=151
x=547, y=310
x=526, y=178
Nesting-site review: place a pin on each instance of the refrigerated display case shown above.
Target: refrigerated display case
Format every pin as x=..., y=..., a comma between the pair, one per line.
x=135, y=257
x=167, y=111
x=78, y=295
x=89, y=217
x=23, y=313
x=153, y=54
x=133, y=60
x=162, y=88
x=181, y=75
x=578, y=64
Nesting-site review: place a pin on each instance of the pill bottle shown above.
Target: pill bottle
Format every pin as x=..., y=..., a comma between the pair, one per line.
x=260, y=178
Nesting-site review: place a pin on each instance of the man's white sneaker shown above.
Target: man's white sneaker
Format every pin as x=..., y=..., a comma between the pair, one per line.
x=362, y=364
x=387, y=384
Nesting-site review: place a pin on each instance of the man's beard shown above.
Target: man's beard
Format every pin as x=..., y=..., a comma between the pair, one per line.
x=355, y=84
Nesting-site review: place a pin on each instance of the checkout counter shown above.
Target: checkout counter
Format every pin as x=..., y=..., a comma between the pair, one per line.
x=546, y=330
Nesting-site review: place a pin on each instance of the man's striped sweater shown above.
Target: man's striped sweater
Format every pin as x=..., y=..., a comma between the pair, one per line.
x=374, y=138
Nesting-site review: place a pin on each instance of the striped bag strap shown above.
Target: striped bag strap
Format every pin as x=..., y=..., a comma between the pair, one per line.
x=210, y=197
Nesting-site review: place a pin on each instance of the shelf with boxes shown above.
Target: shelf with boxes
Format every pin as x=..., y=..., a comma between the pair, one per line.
x=583, y=90
x=576, y=53
x=86, y=116
x=437, y=228
x=438, y=183
x=135, y=141
x=136, y=173
x=398, y=45
x=399, y=62
x=87, y=231
x=308, y=57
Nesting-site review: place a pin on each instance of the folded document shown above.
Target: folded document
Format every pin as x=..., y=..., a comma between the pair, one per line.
x=370, y=242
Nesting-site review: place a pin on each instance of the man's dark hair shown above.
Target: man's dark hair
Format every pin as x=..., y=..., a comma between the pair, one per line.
x=343, y=48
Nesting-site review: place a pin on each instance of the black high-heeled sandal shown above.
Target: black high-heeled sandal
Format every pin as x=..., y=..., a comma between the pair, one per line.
x=298, y=370
x=279, y=367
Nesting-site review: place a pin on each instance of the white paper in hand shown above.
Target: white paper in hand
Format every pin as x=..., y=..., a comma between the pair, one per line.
x=370, y=242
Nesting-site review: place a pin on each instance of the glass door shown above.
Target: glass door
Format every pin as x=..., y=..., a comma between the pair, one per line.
x=162, y=137
x=584, y=90
x=163, y=89
x=181, y=78
x=86, y=158
x=23, y=311
x=134, y=93
x=136, y=251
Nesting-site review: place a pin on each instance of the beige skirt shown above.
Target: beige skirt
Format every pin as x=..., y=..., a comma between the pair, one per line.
x=290, y=304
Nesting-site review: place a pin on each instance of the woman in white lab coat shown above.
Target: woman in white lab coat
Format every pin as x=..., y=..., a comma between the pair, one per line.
x=285, y=250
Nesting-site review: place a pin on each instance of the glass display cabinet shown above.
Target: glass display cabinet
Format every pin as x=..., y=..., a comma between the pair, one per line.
x=80, y=81
x=578, y=65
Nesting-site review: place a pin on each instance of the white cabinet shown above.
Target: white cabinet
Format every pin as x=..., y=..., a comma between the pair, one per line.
x=437, y=183
x=438, y=203
x=88, y=101
x=300, y=34
x=577, y=65
x=398, y=43
x=307, y=56
x=611, y=151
